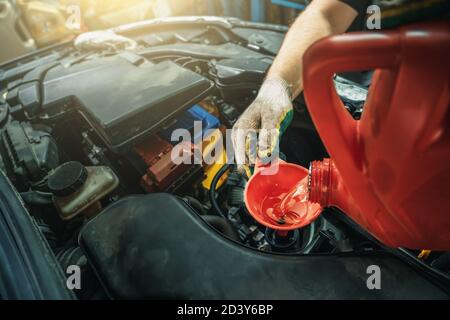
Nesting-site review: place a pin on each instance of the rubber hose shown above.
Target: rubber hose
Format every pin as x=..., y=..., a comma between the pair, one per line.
x=212, y=189
x=223, y=226
x=195, y=204
x=36, y=198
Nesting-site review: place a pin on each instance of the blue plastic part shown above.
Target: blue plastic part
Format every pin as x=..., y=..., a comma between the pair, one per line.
x=258, y=10
x=186, y=121
x=289, y=4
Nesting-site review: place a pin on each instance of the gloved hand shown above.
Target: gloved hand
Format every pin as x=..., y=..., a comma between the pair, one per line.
x=268, y=116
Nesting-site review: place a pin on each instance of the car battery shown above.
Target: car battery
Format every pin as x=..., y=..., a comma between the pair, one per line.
x=162, y=171
x=187, y=120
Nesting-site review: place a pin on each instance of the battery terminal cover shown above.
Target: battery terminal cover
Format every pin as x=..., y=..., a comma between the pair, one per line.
x=162, y=170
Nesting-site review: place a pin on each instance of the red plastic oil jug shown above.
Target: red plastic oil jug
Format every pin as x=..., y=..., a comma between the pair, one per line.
x=390, y=171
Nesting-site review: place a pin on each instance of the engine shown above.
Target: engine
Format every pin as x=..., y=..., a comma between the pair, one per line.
x=82, y=130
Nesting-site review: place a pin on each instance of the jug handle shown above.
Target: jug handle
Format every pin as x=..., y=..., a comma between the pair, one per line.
x=357, y=51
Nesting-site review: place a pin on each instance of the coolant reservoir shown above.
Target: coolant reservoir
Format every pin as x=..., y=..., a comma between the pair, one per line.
x=78, y=189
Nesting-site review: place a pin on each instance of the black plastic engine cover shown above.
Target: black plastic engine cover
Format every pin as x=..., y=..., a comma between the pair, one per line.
x=123, y=100
x=234, y=72
x=155, y=246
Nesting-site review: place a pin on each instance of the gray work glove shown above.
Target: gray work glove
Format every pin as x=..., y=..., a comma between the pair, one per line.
x=268, y=116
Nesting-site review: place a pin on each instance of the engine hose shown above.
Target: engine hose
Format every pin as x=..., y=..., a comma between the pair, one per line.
x=223, y=226
x=212, y=189
x=37, y=198
x=195, y=204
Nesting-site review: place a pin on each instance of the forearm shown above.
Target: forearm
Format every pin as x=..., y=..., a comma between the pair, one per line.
x=316, y=22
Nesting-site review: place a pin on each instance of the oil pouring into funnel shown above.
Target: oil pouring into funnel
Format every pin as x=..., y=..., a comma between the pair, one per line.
x=389, y=170
x=280, y=201
x=292, y=197
x=288, y=208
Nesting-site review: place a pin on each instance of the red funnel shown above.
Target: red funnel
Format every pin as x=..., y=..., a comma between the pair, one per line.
x=268, y=187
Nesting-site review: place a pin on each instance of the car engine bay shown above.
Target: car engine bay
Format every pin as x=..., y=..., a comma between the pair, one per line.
x=86, y=137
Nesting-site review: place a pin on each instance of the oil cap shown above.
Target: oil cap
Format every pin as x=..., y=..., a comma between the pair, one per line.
x=67, y=179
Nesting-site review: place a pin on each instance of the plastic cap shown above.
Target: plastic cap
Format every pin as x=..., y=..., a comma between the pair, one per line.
x=67, y=179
